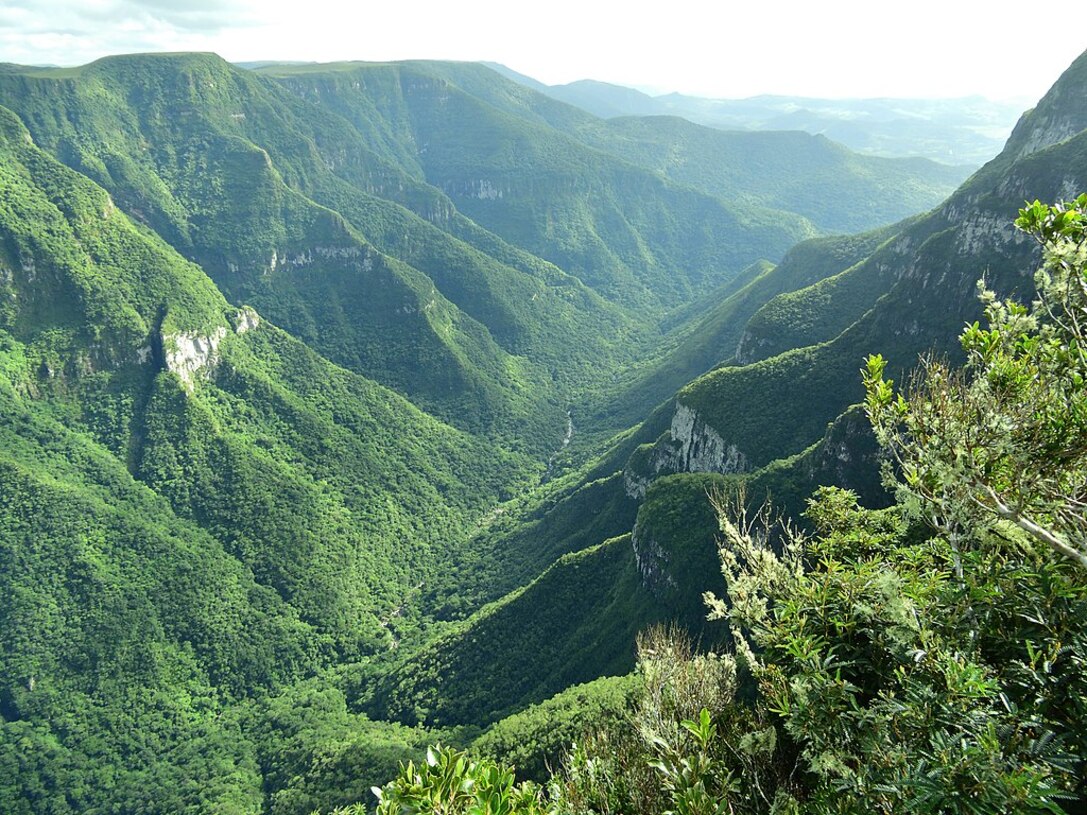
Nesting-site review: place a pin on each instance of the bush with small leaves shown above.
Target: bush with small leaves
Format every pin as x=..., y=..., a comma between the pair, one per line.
x=450, y=782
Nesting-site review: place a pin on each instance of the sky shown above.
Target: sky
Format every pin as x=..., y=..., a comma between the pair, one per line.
x=716, y=48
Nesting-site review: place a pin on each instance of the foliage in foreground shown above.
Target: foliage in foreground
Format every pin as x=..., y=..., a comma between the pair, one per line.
x=927, y=658
x=450, y=782
x=1005, y=438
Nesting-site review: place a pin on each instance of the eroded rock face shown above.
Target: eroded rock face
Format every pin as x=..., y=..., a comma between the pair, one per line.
x=849, y=457
x=652, y=563
x=279, y=261
x=1060, y=115
x=187, y=352
x=692, y=446
x=483, y=189
x=635, y=484
x=1049, y=131
x=699, y=448
x=1052, y=128
x=487, y=191
x=751, y=348
x=245, y=319
x=980, y=230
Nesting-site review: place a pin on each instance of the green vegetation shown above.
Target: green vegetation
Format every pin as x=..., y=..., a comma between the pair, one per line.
x=813, y=314
x=535, y=739
x=901, y=300
x=559, y=630
x=781, y=170
x=301, y=204
x=928, y=657
x=711, y=336
x=179, y=540
x=237, y=183
x=314, y=752
x=452, y=782
x=315, y=388
x=576, y=621
x=623, y=231
x=1006, y=439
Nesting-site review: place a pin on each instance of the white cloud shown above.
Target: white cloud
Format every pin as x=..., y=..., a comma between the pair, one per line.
x=727, y=48
x=44, y=32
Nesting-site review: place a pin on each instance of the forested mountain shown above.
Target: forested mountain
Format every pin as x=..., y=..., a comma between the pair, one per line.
x=236, y=182
x=197, y=506
x=912, y=291
x=346, y=224
x=289, y=358
x=954, y=131
x=776, y=409
x=532, y=170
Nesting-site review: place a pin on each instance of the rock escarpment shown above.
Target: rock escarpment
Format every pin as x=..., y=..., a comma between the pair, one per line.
x=187, y=353
x=690, y=445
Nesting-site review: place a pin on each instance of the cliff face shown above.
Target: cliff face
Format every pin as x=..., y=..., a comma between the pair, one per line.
x=698, y=448
x=1060, y=115
x=653, y=563
x=187, y=353
x=690, y=445
x=798, y=354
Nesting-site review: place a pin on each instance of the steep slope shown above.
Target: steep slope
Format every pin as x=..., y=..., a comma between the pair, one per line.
x=735, y=321
x=782, y=423
x=843, y=289
x=123, y=628
x=924, y=280
x=204, y=400
x=198, y=508
x=201, y=510
x=241, y=180
x=627, y=233
x=575, y=622
x=794, y=172
x=363, y=180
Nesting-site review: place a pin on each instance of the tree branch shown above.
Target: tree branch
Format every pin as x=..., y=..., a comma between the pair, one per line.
x=1051, y=539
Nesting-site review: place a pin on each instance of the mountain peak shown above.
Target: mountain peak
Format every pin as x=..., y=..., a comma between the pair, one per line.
x=1060, y=115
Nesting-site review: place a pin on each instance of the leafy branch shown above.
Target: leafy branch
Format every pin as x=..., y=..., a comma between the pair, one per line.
x=1005, y=438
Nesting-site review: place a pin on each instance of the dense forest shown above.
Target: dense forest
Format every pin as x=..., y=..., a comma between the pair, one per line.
x=401, y=426
x=926, y=657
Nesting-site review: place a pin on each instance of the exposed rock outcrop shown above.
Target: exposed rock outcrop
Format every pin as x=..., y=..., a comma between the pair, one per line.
x=652, y=563
x=1060, y=115
x=635, y=483
x=188, y=352
x=751, y=348
x=487, y=191
x=698, y=448
x=689, y=446
x=245, y=319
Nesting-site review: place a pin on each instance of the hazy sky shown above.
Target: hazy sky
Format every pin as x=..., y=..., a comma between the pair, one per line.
x=717, y=48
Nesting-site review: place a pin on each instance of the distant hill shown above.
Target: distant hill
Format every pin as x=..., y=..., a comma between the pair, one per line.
x=791, y=172
x=969, y=131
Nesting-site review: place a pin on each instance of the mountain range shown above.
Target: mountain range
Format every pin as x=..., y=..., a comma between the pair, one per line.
x=968, y=130
x=347, y=407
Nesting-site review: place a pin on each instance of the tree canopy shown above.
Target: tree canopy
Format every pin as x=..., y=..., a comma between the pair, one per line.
x=925, y=658
x=1005, y=437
